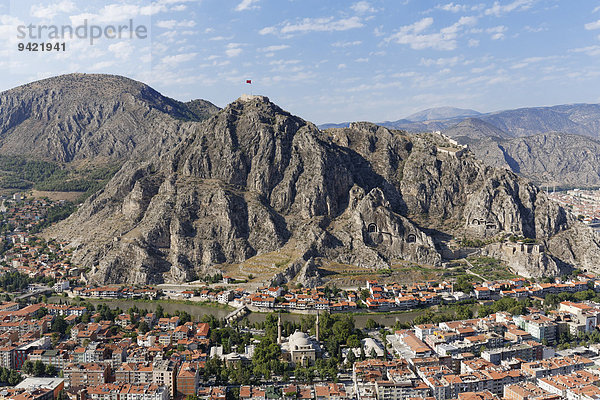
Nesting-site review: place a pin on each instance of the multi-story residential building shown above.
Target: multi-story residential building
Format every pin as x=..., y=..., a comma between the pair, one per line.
x=527, y=391
x=539, y=326
x=80, y=375
x=389, y=390
x=164, y=373
x=330, y=391
x=133, y=373
x=188, y=378
x=212, y=393
x=7, y=357
x=556, y=366
x=254, y=393
x=565, y=385
x=120, y=391
x=57, y=358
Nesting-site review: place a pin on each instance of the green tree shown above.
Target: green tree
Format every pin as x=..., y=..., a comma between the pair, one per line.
x=39, y=369
x=143, y=327
x=59, y=325
x=351, y=357
x=50, y=370
x=27, y=367
x=464, y=284
x=371, y=324
x=353, y=341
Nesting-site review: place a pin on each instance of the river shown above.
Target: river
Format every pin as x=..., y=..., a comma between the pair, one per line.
x=198, y=310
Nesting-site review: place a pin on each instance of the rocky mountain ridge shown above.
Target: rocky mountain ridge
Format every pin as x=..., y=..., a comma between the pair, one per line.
x=576, y=119
x=92, y=117
x=547, y=159
x=253, y=179
x=555, y=145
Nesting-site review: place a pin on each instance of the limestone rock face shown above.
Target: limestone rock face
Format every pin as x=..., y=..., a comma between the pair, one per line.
x=528, y=260
x=548, y=159
x=253, y=179
x=505, y=203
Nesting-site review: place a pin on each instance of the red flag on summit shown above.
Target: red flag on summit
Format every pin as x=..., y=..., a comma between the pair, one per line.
x=248, y=81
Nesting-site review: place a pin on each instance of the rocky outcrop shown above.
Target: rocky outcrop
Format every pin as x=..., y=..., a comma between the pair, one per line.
x=528, y=260
x=253, y=179
x=247, y=181
x=547, y=159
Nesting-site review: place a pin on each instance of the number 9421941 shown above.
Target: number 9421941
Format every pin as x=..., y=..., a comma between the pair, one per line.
x=34, y=46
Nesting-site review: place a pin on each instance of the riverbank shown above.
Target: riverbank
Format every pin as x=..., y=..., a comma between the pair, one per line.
x=198, y=310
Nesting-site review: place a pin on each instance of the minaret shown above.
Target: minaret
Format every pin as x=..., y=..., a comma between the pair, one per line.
x=317, y=327
x=279, y=329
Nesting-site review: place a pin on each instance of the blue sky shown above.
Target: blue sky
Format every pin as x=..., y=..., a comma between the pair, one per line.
x=332, y=60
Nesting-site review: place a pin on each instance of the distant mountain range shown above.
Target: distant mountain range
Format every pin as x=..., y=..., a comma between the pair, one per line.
x=441, y=113
x=555, y=145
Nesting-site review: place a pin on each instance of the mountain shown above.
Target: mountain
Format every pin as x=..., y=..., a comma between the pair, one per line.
x=471, y=130
x=416, y=127
x=578, y=119
x=340, y=125
x=441, y=113
x=254, y=179
x=548, y=159
x=549, y=145
x=91, y=117
x=422, y=121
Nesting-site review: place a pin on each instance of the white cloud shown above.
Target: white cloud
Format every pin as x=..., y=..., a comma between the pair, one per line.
x=478, y=70
x=113, y=13
x=532, y=60
x=341, y=66
x=455, y=7
x=363, y=7
x=497, y=32
x=121, y=49
x=535, y=29
x=233, y=50
x=102, y=65
x=170, y=24
x=414, y=36
x=516, y=5
x=246, y=5
x=592, y=25
x=268, y=30
x=452, y=7
x=327, y=24
x=441, y=62
x=473, y=43
x=596, y=9
x=274, y=48
x=589, y=50
x=347, y=44
x=178, y=59
x=217, y=38
x=284, y=62
x=51, y=10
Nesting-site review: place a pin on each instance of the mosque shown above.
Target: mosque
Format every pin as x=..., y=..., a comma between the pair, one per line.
x=300, y=348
